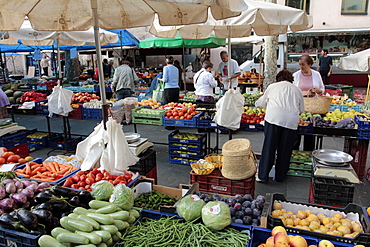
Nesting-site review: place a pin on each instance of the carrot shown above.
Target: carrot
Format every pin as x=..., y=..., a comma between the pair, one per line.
x=42, y=175
x=38, y=169
x=23, y=175
x=35, y=165
x=51, y=164
x=47, y=167
x=28, y=169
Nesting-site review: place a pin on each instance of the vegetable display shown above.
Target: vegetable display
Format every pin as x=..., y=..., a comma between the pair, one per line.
x=175, y=232
x=190, y=207
x=102, y=190
x=216, y=215
x=122, y=196
x=153, y=200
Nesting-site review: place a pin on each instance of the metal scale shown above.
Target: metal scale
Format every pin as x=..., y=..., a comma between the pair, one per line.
x=333, y=164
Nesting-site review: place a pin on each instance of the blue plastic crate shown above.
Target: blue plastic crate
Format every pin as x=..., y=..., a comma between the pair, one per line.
x=42, y=87
x=364, y=125
x=198, y=148
x=97, y=88
x=142, y=90
x=199, y=155
x=305, y=130
x=33, y=147
x=92, y=114
x=333, y=107
x=181, y=122
x=199, y=141
x=86, y=89
x=260, y=235
x=363, y=134
x=12, y=140
x=42, y=110
x=16, y=238
x=43, y=141
x=347, y=108
x=32, y=86
x=251, y=127
x=182, y=162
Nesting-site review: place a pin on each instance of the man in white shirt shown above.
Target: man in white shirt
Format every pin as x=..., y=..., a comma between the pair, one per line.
x=124, y=81
x=284, y=103
x=223, y=71
x=44, y=63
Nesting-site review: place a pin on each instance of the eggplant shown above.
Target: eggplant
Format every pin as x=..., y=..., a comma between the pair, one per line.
x=85, y=196
x=7, y=204
x=19, y=185
x=10, y=188
x=65, y=214
x=75, y=201
x=27, y=218
x=46, y=206
x=19, y=198
x=33, y=187
x=27, y=204
x=64, y=192
x=47, y=196
x=8, y=221
x=2, y=191
x=60, y=206
x=54, y=222
x=14, y=214
x=43, y=215
x=43, y=185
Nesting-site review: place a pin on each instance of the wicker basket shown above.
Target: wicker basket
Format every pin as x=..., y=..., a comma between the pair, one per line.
x=216, y=159
x=318, y=104
x=203, y=168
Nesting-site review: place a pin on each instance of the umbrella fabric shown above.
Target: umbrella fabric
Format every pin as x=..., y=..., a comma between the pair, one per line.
x=358, y=61
x=178, y=42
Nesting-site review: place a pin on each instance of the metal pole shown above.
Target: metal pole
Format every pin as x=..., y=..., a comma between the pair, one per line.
x=58, y=60
x=229, y=57
x=94, y=7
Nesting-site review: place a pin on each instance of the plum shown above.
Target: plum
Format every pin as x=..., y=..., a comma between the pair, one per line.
x=260, y=198
x=239, y=214
x=247, y=204
x=232, y=211
x=231, y=202
x=247, y=220
x=237, y=206
x=248, y=211
x=238, y=221
x=259, y=204
x=255, y=213
x=248, y=197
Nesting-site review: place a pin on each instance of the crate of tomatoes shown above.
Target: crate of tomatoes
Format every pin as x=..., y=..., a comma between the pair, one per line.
x=84, y=180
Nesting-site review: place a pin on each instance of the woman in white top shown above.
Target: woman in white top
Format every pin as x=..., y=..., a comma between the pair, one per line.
x=204, y=83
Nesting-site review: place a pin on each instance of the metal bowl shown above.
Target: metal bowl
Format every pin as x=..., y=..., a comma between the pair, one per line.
x=330, y=156
x=132, y=137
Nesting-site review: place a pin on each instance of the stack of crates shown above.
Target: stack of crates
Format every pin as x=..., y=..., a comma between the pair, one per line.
x=186, y=148
x=147, y=165
x=300, y=164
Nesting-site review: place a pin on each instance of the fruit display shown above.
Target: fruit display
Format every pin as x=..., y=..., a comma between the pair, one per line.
x=142, y=87
x=153, y=200
x=148, y=112
x=84, y=97
x=9, y=157
x=87, y=86
x=252, y=115
x=149, y=102
x=347, y=123
x=48, y=84
x=190, y=97
x=343, y=102
x=178, y=105
x=94, y=103
x=187, y=160
x=181, y=113
x=337, y=225
x=186, y=136
x=337, y=115
x=303, y=156
x=250, y=99
x=184, y=145
x=184, y=152
x=32, y=96
x=14, y=97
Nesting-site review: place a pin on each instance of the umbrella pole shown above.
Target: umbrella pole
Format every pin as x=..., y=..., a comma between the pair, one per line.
x=94, y=7
x=183, y=64
x=59, y=63
x=229, y=59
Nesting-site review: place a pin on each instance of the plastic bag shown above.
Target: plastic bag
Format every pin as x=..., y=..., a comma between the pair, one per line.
x=158, y=94
x=129, y=103
x=59, y=101
x=229, y=110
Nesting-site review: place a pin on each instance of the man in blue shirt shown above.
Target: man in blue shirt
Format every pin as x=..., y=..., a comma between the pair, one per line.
x=171, y=80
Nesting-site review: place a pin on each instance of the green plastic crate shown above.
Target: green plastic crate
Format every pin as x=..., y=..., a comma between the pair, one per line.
x=297, y=166
x=147, y=116
x=298, y=173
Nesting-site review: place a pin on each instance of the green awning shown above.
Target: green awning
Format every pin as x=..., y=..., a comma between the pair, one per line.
x=178, y=42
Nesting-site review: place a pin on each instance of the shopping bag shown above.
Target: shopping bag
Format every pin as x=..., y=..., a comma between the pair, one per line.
x=59, y=101
x=158, y=94
x=229, y=110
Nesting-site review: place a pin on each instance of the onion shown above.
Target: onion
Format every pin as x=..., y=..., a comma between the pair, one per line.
x=10, y=188
x=7, y=204
x=7, y=181
x=19, y=198
x=43, y=185
x=19, y=185
x=28, y=192
x=2, y=191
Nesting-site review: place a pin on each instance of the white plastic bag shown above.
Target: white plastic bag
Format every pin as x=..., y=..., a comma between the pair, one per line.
x=59, y=101
x=229, y=110
x=158, y=94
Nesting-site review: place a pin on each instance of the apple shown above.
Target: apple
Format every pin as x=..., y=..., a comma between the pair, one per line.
x=270, y=242
x=22, y=161
x=325, y=243
x=281, y=238
x=298, y=241
x=277, y=229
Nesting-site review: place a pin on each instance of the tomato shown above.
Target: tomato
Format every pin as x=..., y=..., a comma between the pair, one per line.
x=113, y=177
x=129, y=180
x=127, y=175
x=123, y=182
x=2, y=161
x=80, y=173
x=106, y=176
x=81, y=188
x=89, y=181
x=95, y=171
x=83, y=178
x=74, y=186
x=115, y=182
x=91, y=175
x=68, y=182
x=13, y=158
x=87, y=186
x=89, y=189
x=76, y=178
x=99, y=177
x=81, y=184
x=110, y=181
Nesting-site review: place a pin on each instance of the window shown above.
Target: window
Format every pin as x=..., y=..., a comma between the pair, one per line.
x=354, y=7
x=299, y=4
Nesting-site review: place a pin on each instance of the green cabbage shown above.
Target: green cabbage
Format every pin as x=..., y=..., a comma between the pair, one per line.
x=123, y=197
x=216, y=215
x=102, y=190
x=190, y=207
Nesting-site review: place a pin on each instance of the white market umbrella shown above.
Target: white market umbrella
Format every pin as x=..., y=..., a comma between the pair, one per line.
x=76, y=15
x=265, y=19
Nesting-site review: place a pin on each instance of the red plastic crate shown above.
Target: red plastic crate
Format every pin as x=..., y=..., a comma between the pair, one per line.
x=152, y=174
x=21, y=150
x=337, y=92
x=216, y=183
x=357, y=148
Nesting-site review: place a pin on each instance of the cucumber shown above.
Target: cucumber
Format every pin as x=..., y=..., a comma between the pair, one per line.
x=107, y=209
x=134, y=213
x=80, y=225
x=95, y=204
x=109, y=242
x=121, y=224
x=131, y=219
x=73, y=215
x=57, y=230
x=49, y=241
x=116, y=237
x=103, y=234
x=102, y=245
x=93, y=238
x=72, y=238
x=119, y=215
x=101, y=218
x=112, y=229
x=86, y=245
x=80, y=211
x=90, y=210
x=95, y=224
x=64, y=223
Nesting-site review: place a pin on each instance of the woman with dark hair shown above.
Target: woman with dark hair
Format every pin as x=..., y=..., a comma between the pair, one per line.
x=171, y=80
x=284, y=103
x=325, y=67
x=204, y=83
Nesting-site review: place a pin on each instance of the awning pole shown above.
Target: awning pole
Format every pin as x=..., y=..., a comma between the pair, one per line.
x=229, y=57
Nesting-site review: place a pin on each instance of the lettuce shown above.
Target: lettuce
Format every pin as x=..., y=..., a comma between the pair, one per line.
x=102, y=190
x=216, y=215
x=190, y=207
x=122, y=196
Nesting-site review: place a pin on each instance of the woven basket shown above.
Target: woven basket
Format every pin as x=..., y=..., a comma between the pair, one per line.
x=216, y=159
x=239, y=160
x=317, y=104
x=203, y=168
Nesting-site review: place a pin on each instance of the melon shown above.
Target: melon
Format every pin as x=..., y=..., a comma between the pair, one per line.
x=17, y=94
x=11, y=100
x=18, y=100
x=9, y=92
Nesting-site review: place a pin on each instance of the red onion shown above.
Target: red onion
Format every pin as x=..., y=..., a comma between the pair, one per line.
x=7, y=181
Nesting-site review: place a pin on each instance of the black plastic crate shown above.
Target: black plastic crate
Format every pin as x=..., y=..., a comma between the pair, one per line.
x=148, y=160
x=361, y=238
x=15, y=238
x=58, y=142
x=305, y=130
x=13, y=140
x=251, y=127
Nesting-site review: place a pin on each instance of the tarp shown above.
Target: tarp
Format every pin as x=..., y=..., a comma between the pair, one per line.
x=358, y=61
x=178, y=42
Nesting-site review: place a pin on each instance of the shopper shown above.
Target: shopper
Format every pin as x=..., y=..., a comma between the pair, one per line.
x=4, y=101
x=154, y=83
x=223, y=71
x=204, y=83
x=106, y=68
x=44, y=63
x=283, y=102
x=325, y=66
x=124, y=81
x=176, y=63
x=171, y=80
x=196, y=65
x=111, y=68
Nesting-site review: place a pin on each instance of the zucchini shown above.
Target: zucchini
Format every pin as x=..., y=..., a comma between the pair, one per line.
x=57, y=230
x=93, y=238
x=72, y=238
x=131, y=219
x=95, y=224
x=64, y=223
x=80, y=211
x=80, y=225
x=109, y=242
x=73, y=215
x=102, y=245
x=103, y=234
x=120, y=215
x=95, y=204
x=121, y=224
x=116, y=237
x=112, y=229
x=49, y=241
x=101, y=218
x=107, y=209
x=86, y=245
x=90, y=210
x=134, y=213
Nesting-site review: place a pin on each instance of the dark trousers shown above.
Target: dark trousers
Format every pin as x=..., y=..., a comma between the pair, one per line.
x=171, y=95
x=45, y=71
x=278, y=140
x=325, y=77
x=123, y=93
x=308, y=142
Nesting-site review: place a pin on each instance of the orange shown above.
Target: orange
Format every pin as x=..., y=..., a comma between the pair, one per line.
x=368, y=211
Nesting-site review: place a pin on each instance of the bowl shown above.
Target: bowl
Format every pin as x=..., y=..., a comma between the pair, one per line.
x=217, y=159
x=203, y=167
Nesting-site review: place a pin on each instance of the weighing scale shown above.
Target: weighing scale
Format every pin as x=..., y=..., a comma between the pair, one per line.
x=333, y=164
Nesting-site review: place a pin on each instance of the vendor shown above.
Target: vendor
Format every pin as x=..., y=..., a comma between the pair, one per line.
x=4, y=101
x=284, y=103
x=222, y=71
x=124, y=81
x=204, y=83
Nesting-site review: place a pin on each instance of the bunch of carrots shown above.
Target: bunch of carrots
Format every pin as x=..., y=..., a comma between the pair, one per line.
x=48, y=172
